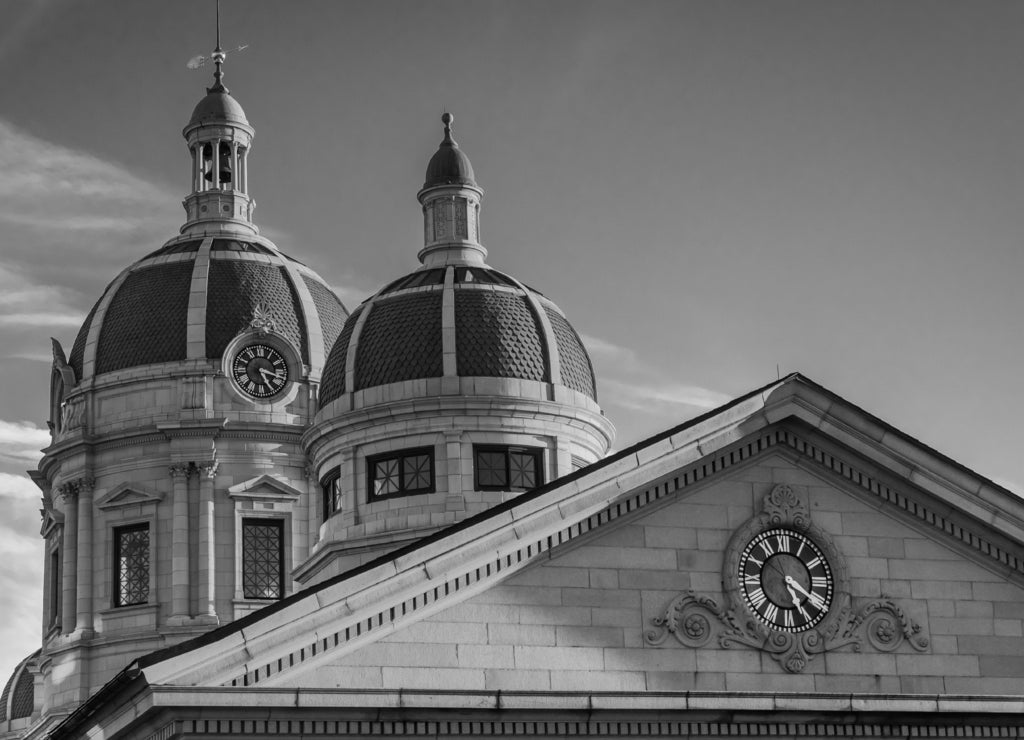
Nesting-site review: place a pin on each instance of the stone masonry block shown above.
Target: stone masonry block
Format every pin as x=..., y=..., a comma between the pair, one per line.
x=612, y=598
x=522, y=595
x=643, y=659
x=559, y=658
x=872, y=525
x=981, y=645
x=860, y=663
x=614, y=617
x=554, y=615
x=922, y=549
x=597, y=681
x=517, y=680
x=937, y=665
x=485, y=656
x=441, y=632
x=852, y=546
x=572, y=636
x=937, y=569
x=1001, y=591
x=658, y=580
x=939, y=589
x=617, y=557
x=857, y=684
x=604, y=579
x=728, y=661
x=521, y=634
x=404, y=654
x=980, y=609
x=1002, y=665
x=671, y=537
x=451, y=679
x=713, y=540
x=628, y=536
x=685, y=514
x=545, y=576
x=1008, y=627
x=780, y=682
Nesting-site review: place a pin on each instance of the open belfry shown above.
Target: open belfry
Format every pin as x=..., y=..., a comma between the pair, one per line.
x=269, y=515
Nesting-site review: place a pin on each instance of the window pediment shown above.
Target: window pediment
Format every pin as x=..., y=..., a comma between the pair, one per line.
x=128, y=494
x=265, y=488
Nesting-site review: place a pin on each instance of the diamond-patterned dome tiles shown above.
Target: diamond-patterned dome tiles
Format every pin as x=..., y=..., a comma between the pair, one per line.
x=236, y=288
x=332, y=384
x=401, y=340
x=145, y=322
x=496, y=335
x=328, y=307
x=576, y=371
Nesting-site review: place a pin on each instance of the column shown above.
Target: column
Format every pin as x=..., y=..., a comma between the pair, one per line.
x=454, y=501
x=234, y=166
x=244, y=167
x=349, y=483
x=69, y=592
x=207, y=601
x=85, y=555
x=179, y=544
x=216, y=164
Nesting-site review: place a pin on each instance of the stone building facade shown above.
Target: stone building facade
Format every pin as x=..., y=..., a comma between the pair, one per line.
x=266, y=515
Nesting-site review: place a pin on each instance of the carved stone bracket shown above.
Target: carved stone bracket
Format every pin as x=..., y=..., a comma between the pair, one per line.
x=695, y=620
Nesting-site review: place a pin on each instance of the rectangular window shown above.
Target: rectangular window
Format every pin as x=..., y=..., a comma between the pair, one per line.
x=330, y=487
x=262, y=558
x=503, y=468
x=55, y=587
x=401, y=473
x=131, y=565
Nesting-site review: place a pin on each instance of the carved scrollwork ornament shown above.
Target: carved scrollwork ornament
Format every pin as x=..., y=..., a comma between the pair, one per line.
x=786, y=594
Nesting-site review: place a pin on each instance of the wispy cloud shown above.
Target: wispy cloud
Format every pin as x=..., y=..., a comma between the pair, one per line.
x=18, y=487
x=354, y=291
x=21, y=441
x=627, y=381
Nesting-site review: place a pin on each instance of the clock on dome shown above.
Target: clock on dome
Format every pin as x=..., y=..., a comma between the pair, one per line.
x=259, y=370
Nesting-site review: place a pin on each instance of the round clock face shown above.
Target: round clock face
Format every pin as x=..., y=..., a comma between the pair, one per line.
x=785, y=580
x=259, y=370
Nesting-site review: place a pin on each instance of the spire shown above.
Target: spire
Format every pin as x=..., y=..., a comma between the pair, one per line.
x=219, y=137
x=451, y=206
x=218, y=62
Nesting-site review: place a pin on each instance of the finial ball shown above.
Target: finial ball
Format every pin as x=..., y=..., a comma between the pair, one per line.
x=447, y=118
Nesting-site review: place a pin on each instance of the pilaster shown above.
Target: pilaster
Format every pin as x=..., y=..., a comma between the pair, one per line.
x=207, y=540
x=85, y=563
x=69, y=585
x=180, y=474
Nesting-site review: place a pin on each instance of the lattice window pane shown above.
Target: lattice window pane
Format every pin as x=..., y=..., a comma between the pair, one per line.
x=262, y=555
x=131, y=565
x=331, y=490
x=522, y=470
x=490, y=468
x=386, y=478
x=416, y=472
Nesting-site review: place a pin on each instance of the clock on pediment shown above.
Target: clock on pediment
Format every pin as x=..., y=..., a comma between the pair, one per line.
x=786, y=594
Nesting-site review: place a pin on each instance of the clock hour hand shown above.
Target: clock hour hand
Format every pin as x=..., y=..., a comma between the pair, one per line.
x=792, y=595
x=792, y=583
x=264, y=372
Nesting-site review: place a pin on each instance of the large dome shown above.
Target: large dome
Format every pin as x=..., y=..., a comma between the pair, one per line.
x=502, y=328
x=190, y=298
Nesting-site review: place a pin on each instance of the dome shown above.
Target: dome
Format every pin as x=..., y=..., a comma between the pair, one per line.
x=19, y=692
x=449, y=165
x=502, y=329
x=151, y=312
x=217, y=106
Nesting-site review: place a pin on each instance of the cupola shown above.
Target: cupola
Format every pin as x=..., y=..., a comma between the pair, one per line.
x=449, y=390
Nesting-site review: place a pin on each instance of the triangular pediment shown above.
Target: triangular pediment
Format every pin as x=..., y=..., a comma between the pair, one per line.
x=51, y=518
x=128, y=494
x=870, y=489
x=265, y=487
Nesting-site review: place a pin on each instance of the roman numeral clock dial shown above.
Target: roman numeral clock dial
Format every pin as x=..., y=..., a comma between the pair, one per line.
x=259, y=371
x=785, y=580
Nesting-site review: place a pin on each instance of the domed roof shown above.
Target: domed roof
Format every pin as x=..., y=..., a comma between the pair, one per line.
x=502, y=329
x=19, y=692
x=190, y=298
x=217, y=106
x=449, y=165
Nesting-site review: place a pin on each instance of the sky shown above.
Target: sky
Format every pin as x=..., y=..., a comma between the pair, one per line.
x=715, y=193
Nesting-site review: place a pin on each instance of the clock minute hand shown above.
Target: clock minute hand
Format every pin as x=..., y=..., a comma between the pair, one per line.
x=790, y=581
x=792, y=594
x=264, y=372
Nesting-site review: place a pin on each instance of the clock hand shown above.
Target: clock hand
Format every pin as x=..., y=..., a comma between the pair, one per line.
x=264, y=372
x=792, y=594
x=790, y=581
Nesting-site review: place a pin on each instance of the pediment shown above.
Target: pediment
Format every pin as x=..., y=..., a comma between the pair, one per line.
x=51, y=518
x=265, y=488
x=581, y=532
x=128, y=494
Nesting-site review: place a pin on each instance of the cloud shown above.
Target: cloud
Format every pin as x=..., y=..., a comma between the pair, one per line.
x=353, y=291
x=21, y=441
x=19, y=487
x=627, y=381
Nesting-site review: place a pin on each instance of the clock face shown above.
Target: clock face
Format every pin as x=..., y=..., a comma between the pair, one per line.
x=786, y=581
x=259, y=370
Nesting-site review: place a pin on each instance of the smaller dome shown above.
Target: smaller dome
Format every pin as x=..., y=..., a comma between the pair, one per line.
x=19, y=692
x=217, y=106
x=449, y=165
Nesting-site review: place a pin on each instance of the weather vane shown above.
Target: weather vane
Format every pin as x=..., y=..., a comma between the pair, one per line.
x=217, y=57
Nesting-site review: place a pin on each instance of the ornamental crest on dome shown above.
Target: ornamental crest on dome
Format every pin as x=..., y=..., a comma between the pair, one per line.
x=263, y=320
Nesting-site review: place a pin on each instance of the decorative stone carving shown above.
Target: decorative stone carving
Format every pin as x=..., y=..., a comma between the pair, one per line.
x=70, y=490
x=263, y=320
x=182, y=470
x=208, y=469
x=72, y=414
x=695, y=619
